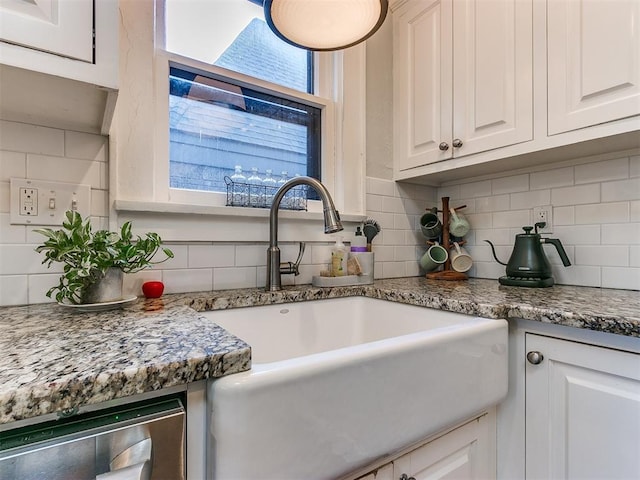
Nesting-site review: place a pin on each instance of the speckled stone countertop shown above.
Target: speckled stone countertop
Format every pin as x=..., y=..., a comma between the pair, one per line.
x=605, y=310
x=52, y=359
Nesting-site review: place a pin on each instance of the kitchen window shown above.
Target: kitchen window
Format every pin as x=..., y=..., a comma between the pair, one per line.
x=140, y=143
x=215, y=124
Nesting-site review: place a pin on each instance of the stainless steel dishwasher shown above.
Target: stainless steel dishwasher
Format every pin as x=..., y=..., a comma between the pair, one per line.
x=137, y=441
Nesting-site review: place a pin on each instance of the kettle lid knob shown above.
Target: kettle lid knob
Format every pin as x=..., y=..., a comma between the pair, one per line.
x=527, y=230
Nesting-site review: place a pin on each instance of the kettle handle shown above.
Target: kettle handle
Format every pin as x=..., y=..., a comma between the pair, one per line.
x=563, y=255
x=493, y=250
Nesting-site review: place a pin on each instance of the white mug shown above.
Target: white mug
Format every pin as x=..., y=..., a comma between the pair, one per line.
x=461, y=261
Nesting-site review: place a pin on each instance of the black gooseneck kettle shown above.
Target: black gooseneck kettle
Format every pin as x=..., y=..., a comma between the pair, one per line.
x=528, y=265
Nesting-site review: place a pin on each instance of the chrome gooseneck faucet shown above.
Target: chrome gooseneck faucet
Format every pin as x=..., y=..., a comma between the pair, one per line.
x=331, y=224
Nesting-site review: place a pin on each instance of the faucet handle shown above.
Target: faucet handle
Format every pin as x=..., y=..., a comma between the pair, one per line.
x=292, y=268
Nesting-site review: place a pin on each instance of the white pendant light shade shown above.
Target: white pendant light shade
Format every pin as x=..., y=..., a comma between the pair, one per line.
x=324, y=24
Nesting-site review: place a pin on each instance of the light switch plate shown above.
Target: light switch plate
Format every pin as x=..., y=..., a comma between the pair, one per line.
x=39, y=202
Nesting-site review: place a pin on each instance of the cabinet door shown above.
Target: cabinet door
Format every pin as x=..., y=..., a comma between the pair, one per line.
x=492, y=74
x=464, y=453
x=582, y=411
x=593, y=62
x=422, y=82
x=61, y=27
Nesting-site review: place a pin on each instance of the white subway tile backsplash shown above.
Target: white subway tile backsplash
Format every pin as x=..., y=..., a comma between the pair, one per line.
x=621, y=190
x=14, y=289
x=188, y=280
x=99, y=203
x=578, y=234
x=11, y=233
x=12, y=165
x=497, y=208
x=575, y=195
x=603, y=255
x=475, y=189
x=41, y=167
x=211, y=256
x=403, y=222
x=515, y=218
x=602, y=213
x=586, y=276
x=395, y=237
x=23, y=137
x=621, y=234
x=494, y=203
x=480, y=220
x=17, y=259
x=180, y=257
x=557, y=177
x=374, y=202
x=451, y=191
x=394, y=269
x=381, y=187
x=404, y=253
x=5, y=197
x=634, y=211
x=39, y=285
x=628, y=278
x=392, y=205
x=634, y=166
x=234, y=277
x=252, y=255
x=513, y=184
x=564, y=215
x=499, y=236
x=86, y=146
x=602, y=171
x=531, y=199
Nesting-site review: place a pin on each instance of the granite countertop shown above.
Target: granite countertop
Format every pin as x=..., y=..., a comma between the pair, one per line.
x=52, y=359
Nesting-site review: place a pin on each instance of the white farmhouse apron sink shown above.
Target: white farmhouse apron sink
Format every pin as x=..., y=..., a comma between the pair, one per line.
x=336, y=384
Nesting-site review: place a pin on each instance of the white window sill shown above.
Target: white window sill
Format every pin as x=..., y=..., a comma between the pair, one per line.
x=191, y=223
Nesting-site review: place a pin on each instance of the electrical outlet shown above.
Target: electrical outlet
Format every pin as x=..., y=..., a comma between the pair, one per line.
x=28, y=202
x=544, y=214
x=39, y=202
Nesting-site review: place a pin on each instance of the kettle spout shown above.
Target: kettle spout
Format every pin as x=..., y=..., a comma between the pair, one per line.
x=493, y=250
x=563, y=255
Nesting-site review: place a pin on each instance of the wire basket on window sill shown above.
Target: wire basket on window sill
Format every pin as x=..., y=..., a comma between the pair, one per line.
x=261, y=196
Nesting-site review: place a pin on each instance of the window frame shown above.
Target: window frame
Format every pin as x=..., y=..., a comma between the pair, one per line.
x=267, y=88
x=139, y=140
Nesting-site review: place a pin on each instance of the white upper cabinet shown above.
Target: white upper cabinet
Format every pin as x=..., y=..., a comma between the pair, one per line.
x=487, y=86
x=63, y=28
x=594, y=62
x=462, y=78
x=75, y=39
x=59, y=63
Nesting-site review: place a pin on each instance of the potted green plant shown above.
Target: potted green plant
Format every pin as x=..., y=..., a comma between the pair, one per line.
x=94, y=262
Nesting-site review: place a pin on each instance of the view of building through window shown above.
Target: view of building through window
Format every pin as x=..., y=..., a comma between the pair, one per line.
x=215, y=125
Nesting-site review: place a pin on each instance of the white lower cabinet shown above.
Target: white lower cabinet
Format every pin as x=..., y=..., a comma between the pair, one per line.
x=468, y=452
x=582, y=410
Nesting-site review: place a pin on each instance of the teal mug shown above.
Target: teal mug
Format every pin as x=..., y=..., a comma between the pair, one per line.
x=430, y=225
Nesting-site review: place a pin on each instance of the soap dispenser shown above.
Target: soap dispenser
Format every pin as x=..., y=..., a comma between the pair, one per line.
x=339, y=257
x=359, y=243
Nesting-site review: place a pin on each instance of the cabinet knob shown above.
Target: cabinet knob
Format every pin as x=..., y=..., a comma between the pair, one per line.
x=443, y=146
x=457, y=143
x=535, y=358
x=405, y=477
